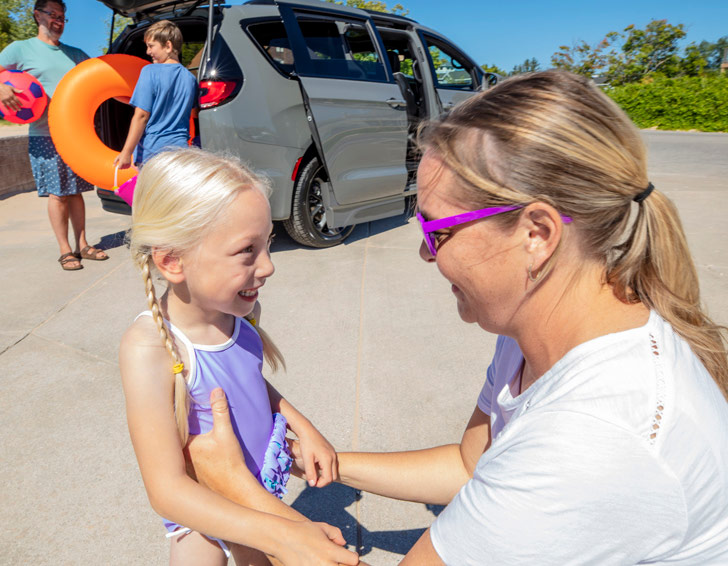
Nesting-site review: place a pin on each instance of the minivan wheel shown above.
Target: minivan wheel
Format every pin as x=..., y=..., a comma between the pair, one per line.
x=307, y=223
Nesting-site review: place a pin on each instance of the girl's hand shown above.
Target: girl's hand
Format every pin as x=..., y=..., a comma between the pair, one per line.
x=315, y=456
x=310, y=544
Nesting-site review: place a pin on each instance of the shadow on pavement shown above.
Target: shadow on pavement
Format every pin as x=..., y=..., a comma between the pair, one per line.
x=111, y=241
x=329, y=505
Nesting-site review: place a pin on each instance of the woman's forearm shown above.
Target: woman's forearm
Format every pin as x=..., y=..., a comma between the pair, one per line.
x=433, y=475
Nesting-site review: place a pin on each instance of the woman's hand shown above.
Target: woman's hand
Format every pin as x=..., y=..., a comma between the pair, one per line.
x=215, y=458
x=314, y=456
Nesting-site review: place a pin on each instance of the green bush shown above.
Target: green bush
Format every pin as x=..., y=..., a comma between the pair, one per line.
x=681, y=103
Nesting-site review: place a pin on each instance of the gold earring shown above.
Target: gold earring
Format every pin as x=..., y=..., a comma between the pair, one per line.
x=530, y=274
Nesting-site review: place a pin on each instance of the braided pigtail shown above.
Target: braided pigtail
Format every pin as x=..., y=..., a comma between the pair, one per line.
x=181, y=397
x=271, y=353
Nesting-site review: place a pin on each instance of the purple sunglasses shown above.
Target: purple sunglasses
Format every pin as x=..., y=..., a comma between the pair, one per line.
x=429, y=227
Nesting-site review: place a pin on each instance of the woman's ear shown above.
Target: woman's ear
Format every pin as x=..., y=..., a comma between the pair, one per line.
x=169, y=265
x=544, y=230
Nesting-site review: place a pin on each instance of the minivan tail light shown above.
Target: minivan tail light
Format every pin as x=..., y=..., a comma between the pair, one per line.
x=213, y=93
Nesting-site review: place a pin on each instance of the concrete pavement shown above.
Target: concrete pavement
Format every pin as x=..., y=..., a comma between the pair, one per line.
x=377, y=358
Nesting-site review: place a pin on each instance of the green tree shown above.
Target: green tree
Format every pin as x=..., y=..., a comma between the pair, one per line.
x=494, y=69
x=713, y=52
x=694, y=63
x=528, y=66
x=585, y=59
x=375, y=5
x=120, y=24
x=16, y=21
x=653, y=49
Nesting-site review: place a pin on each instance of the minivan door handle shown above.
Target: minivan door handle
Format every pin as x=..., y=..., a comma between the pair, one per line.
x=449, y=106
x=396, y=103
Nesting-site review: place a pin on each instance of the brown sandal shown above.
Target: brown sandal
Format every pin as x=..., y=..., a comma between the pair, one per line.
x=86, y=253
x=67, y=258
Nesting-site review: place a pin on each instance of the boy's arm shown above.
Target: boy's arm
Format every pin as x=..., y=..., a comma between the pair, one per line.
x=136, y=130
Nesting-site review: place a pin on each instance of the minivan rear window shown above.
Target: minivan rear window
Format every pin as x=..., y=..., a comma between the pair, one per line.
x=272, y=39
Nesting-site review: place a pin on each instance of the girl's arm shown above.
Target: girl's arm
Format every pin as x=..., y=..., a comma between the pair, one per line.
x=432, y=475
x=148, y=388
x=136, y=129
x=317, y=457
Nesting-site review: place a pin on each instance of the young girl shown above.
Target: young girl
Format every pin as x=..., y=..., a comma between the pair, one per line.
x=203, y=222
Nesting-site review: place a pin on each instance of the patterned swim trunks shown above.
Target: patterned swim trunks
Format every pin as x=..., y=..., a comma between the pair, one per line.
x=52, y=175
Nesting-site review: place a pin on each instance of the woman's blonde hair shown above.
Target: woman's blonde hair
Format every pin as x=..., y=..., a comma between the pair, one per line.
x=178, y=197
x=554, y=137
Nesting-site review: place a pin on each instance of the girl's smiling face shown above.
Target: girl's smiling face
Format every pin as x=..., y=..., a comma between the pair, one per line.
x=232, y=262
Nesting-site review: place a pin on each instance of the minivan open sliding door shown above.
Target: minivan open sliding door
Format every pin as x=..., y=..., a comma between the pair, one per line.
x=358, y=111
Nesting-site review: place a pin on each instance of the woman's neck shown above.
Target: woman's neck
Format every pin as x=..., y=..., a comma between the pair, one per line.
x=564, y=314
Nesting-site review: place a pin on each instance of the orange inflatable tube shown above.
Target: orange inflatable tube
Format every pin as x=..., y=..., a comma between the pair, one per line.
x=72, y=109
x=73, y=106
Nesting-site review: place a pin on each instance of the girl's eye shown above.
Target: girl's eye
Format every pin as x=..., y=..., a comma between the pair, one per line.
x=247, y=250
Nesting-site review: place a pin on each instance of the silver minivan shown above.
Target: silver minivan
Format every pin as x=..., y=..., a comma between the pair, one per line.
x=320, y=98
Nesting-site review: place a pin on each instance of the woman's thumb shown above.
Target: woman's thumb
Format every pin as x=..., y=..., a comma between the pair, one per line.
x=220, y=411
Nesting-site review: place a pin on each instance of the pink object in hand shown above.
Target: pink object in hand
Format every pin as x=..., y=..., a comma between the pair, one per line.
x=126, y=190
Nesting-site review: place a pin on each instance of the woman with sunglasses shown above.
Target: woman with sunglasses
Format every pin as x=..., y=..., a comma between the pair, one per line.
x=600, y=435
x=48, y=60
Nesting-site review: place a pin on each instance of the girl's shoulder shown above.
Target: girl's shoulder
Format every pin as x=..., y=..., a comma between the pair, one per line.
x=142, y=351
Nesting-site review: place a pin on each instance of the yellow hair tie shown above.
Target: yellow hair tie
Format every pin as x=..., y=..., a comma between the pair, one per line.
x=178, y=368
x=252, y=321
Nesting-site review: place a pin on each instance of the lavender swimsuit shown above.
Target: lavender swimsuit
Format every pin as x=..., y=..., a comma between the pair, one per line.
x=236, y=366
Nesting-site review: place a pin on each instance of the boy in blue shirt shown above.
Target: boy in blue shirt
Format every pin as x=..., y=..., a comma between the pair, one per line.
x=163, y=98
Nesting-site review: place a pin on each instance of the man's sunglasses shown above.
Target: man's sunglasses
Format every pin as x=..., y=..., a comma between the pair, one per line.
x=429, y=227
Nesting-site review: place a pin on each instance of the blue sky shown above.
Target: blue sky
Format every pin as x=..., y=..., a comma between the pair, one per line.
x=501, y=32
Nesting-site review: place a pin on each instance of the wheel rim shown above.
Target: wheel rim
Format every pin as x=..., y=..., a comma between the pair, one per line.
x=316, y=210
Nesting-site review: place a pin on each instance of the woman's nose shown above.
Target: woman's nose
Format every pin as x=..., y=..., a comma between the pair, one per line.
x=425, y=253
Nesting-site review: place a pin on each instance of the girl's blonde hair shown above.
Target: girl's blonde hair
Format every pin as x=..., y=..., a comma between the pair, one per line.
x=178, y=197
x=554, y=137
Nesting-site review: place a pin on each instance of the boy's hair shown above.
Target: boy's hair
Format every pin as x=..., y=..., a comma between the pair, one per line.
x=164, y=31
x=178, y=198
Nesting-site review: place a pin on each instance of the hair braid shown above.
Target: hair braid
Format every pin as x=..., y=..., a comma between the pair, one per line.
x=181, y=397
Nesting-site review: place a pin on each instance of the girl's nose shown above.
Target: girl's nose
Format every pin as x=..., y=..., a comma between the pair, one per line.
x=265, y=267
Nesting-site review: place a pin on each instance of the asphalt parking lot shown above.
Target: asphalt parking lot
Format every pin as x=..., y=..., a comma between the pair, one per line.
x=377, y=358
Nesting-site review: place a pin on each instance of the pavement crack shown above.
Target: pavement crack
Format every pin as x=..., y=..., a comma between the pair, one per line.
x=61, y=309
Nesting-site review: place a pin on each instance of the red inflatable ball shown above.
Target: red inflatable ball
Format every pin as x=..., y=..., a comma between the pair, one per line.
x=33, y=99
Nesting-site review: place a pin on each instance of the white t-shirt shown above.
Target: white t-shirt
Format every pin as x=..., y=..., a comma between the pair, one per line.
x=617, y=455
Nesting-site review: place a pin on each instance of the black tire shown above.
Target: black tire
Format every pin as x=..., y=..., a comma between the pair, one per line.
x=307, y=223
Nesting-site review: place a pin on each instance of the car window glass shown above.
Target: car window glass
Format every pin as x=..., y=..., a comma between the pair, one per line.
x=451, y=68
x=399, y=52
x=272, y=39
x=191, y=55
x=339, y=49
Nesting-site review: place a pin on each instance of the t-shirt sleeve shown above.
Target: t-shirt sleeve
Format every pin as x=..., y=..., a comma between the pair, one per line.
x=143, y=96
x=486, y=394
x=564, y=488
x=10, y=56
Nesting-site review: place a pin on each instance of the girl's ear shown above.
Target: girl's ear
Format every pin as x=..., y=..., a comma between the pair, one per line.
x=544, y=230
x=169, y=265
